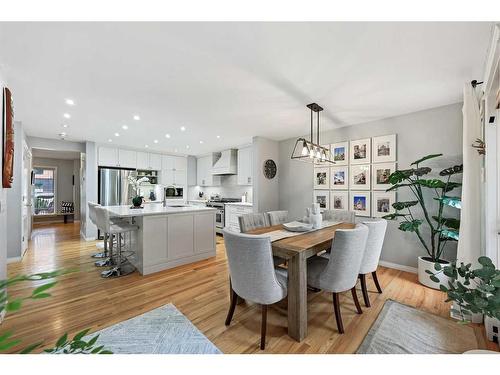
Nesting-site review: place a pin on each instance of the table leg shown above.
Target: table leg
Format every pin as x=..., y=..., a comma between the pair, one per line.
x=297, y=297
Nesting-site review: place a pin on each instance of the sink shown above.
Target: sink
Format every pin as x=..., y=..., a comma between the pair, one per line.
x=177, y=205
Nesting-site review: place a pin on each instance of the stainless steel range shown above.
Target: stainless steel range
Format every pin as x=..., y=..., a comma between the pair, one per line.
x=219, y=203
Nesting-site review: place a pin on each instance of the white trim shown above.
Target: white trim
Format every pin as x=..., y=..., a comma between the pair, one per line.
x=14, y=259
x=396, y=266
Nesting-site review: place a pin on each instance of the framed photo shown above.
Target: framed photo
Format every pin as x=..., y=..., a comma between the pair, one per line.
x=382, y=203
x=360, y=151
x=339, y=178
x=340, y=153
x=360, y=177
x=339, y=200
x=384, y=148
x=322, y=178
x=380, y=175
x=323, y=198
x=359, y=202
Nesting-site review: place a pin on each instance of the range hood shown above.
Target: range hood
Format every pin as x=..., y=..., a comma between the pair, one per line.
x=225, y=162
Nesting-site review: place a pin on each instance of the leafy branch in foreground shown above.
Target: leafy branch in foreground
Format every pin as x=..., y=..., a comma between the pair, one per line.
x=77, y=345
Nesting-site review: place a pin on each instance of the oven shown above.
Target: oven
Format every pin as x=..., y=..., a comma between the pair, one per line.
x=219, y=215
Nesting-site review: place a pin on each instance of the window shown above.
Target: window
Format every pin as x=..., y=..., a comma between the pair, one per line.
x=44, y=190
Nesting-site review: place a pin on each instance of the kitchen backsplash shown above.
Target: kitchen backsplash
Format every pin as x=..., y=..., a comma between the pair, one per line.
x=229, y=188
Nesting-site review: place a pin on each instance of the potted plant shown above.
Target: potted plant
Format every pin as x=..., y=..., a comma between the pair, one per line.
x=136, y=183
x=472, y=291
x=434, y=231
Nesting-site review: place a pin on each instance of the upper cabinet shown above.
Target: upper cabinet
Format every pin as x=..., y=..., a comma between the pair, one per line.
x=174, y=170
x=115, y=157
x=204, y=176
x=173, y=163
x=245, y=166
x=127, y=158
x=148, y=161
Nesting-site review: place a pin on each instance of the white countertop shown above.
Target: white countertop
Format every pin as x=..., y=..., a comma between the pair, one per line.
x=247, y=204
x=152, y=209
x=198, y=200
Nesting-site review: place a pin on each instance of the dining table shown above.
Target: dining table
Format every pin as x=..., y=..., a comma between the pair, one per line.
x=296, y=250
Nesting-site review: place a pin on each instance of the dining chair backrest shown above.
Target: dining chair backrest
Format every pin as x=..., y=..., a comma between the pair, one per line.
x=346, y=255
x=250, y=222
x=251, y=268
x=102, y=218
x=277, y=217
x=340, y=215
x=374, y=243
x=92, y=207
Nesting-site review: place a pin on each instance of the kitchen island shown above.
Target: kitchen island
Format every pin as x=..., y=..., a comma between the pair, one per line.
x=168, y=236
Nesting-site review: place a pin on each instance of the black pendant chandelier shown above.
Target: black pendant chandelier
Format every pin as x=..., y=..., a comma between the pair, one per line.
x=311, y=152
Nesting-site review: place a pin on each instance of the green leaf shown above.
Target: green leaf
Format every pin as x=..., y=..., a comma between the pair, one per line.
x=41, y=295
x=427, y=157
x=81, y=334
x=392, y=216
x=451, y=201
x=43, y=288
x=449, y=234
x=431, y=184
x=97, y=349
x=434, y=278
x=429, y=272
x=400, y=175
x=452, y=185
x=62, y=340
x=106, y=352
x=452, y=170
x=397, y=186
x=437, y=266
x=402, y=205
x=30, y=348
x=93, y=340
x=443, y=288
x=448, y=222
x=484, y=261
x=13, y=305
x=421, y=171
x=410, y=226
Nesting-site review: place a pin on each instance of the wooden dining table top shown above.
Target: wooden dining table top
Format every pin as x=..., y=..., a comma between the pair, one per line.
x=312, y=242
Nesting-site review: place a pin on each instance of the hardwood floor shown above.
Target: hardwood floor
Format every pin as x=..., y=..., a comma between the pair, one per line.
x=200, y=291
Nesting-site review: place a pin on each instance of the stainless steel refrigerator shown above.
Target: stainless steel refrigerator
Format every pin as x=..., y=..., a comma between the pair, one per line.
x=114, y=188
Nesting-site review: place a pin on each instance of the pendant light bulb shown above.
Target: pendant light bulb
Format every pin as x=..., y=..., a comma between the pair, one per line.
x=305, y=149
x=311, y=152
x=318, y=153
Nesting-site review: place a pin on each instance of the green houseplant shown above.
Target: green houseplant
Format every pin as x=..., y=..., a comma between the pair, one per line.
x=433, y=229
x=65, y=344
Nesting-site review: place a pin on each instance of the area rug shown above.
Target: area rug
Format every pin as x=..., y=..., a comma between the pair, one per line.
x=401, y=329
x=164, y=330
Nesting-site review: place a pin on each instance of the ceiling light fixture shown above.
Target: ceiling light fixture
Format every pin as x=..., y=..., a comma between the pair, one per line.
x=201, y=142
x=70, y=102
x=167, y=135
x=146, y=146
x=136, y=117
x=218, y=137
x=309, y=151
x=110, y=140
x=124, y=127
x=117, y=134
x=183, y=128
x=155, y=141
x=67, y=115
x=187, y=146
x=64, y=125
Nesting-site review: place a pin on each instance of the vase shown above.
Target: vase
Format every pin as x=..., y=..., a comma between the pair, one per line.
x=424, y=278
x=137, y=201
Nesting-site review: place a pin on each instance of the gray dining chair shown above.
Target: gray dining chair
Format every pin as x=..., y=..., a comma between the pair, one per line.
x=339, y=215
x=252, y=221
x=252, y=274
x=340, y=273
x=369, y=264
x=277, y=217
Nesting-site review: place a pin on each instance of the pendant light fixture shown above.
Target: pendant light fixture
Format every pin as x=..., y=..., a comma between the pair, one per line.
x=308, y=151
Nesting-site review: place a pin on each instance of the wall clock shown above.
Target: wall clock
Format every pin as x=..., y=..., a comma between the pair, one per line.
x=8, y=139
x=270, y=169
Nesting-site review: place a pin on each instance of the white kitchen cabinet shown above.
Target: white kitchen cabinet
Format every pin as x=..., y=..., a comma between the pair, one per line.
x=232, y=212
x=154, y=233
x=174, y=170
x=127, y=158
x=180, y=236
x=155, y=162
x=204, y=176
x=180, y=163
x=148, y=161
x=204, y=232
x=142, y=160
x=168, y=162
x=108, y=156
x=180, y=177
x=245, y=166
x=167, y=177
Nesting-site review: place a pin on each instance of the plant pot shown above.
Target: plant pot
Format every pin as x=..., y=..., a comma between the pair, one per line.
x=137, y=201
x=423, y=277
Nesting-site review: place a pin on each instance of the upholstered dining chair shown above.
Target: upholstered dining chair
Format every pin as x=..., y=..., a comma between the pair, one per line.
x=252, y=221
x=252, y=274
x=376, y=235
x=340, y=215
x=277, y=217
x=339, y=273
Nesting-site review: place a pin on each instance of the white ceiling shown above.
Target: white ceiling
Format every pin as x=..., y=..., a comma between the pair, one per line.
x=236, y=80
x=53, y=154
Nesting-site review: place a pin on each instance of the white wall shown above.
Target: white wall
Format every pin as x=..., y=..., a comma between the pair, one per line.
x=266, y=193
x=3, y=203
x=55, y=144
x=89, y=230
x=437, y=130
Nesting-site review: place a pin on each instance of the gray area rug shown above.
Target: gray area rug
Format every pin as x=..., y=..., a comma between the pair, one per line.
x=164, y=330
x=401, y=329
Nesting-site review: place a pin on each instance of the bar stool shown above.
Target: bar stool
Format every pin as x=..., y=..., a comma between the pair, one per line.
x=120, y=266
x=102, y=244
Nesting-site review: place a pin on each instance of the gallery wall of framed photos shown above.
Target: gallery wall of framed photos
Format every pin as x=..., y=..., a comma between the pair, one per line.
x=359, y=178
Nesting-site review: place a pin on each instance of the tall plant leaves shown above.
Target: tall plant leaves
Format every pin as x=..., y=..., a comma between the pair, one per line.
x=432, y=184
x=402, y=205
x=451, y=201
x=448, y=222
x=410, y=226
x=452, y=170
x=427, y=157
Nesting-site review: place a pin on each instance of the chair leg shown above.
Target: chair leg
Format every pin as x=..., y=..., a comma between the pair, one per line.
x=263, y=328
x=232, y=306
x=362, y=278
x=375, y=279
x=336, y=309
x=356, y=301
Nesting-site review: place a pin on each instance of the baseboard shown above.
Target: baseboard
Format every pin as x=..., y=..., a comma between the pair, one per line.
x=396, y=266
x=14, y=259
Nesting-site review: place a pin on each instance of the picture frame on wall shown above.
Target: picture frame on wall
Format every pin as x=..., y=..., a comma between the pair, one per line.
x=339, y=200
x=360, y=151
x=380, y=175
x=359, y=202
x=360, y=177
x=322, y=178
x=323, y=198
x=384, y=148
x=340, y=153
x=339, y=178
x=382, y=203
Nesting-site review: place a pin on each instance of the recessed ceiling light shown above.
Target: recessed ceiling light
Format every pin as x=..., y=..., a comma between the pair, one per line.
x=70, y=102
x=136, y=117
x=201, y=142
x=155, y=141
x=124, y=127
x=63, y=134
x=64, y=125
x=218, y=137
x=187, y=146
x=110, y=140
x=146, y=146
x=67, y=115
x=167, y=135
x=183, y=128
x=117, y=134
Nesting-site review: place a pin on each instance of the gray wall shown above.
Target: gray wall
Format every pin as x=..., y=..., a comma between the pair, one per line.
x=3, y=203
x=265, y=192
x=437, y=130
x=65, y=170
